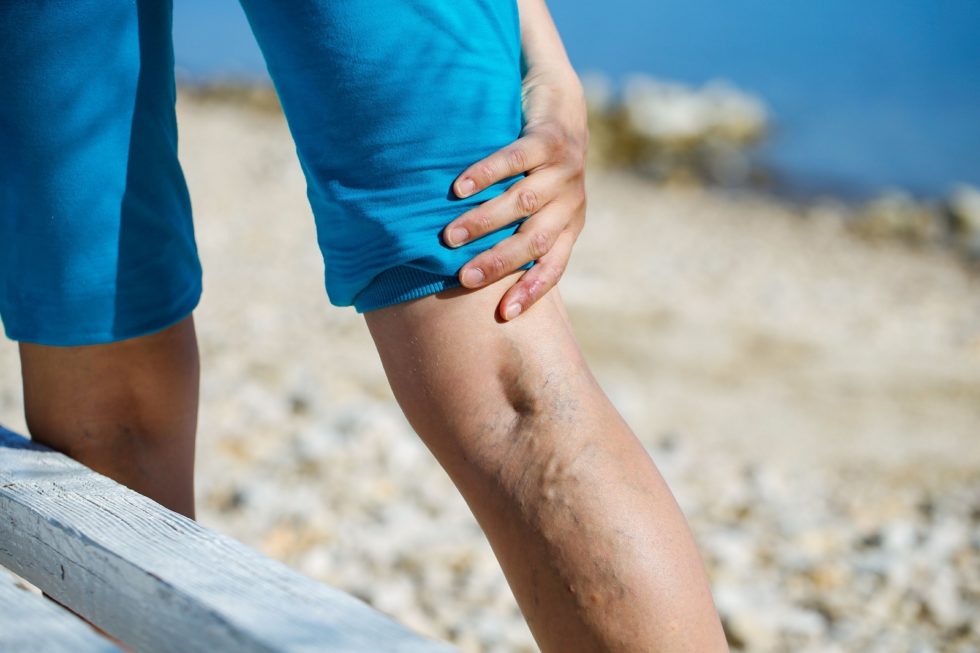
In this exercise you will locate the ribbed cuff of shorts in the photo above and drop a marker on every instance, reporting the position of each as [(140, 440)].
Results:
[(402, 283)]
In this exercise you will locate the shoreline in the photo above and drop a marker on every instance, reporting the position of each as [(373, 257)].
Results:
[(875, 212), (260, 95)]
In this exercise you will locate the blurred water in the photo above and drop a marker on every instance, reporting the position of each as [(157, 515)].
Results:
[(865, 94)]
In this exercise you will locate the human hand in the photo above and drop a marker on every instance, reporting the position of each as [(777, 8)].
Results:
[(551, 151)]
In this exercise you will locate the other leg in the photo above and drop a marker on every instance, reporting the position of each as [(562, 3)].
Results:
[(126, 409), (98, 265)]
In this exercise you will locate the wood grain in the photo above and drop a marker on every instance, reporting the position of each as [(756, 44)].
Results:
[(160, 581), (30, 622)]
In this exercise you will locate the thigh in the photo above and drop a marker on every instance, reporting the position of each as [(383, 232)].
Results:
[(96, 243), (388, 102)]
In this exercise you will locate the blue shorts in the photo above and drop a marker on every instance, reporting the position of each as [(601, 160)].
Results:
[(387, 101)]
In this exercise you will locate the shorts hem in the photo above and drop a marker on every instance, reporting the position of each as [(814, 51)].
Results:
[(400, 284), (403, 283), (189, 301)]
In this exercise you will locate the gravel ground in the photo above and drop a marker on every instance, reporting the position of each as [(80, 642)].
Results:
[(812, 399)]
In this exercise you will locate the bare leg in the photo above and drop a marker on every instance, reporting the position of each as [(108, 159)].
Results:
[(589, 537), (126, 409)]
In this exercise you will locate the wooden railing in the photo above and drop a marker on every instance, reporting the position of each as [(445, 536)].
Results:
[(153, 578)]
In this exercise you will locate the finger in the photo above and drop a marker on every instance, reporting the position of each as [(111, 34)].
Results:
[(526, 153), (538, 279), (522, 199), (532, 240)]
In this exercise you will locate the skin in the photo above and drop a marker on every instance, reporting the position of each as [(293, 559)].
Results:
[(127, 410), (551, 151), (588, 535), (590, 538)]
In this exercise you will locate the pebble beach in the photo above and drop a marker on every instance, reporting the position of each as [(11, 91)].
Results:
[(812, 398)]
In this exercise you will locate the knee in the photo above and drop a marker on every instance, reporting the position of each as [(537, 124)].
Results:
[(535, 393), (502, 406), (105, 420), (531, 443), (107, 416), (114, 396)]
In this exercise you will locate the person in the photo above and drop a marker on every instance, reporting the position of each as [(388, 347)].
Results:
[(443, 145)]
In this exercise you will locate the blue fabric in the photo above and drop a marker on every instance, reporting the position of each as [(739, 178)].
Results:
[(387, 101), (96, 240)]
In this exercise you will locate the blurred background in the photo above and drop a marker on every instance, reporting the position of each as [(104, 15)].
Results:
[(777, 285)]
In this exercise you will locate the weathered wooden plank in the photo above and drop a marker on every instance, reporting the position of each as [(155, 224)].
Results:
[(29, 622), (158, 580)]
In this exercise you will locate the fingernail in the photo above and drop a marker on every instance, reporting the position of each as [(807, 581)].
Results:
[(458, 235), (472, 276), (466, 186), (512, 311)]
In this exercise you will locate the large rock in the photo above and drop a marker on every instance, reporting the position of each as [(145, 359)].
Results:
[(673, 131), (895, 213), (964, 204), (963, 209), (668, 110)]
